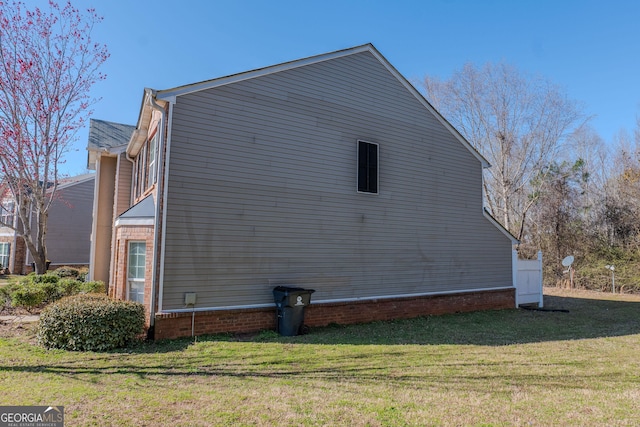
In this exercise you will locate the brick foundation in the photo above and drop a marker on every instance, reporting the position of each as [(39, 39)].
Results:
[(174, 325)]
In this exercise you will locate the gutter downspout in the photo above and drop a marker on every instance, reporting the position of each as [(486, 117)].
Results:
[(160, 189), (14, 247), (133, 168)]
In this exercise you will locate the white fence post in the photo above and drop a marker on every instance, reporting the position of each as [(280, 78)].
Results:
[(541, 303), (528, 280), (514, 274)]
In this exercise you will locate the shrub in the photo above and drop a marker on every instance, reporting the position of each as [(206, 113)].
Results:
[(83, 273), (5, 293), (51, 291), (67, 272), (32, 290), (90, 322), (69, 287), (28, 295), (43, 278), (93, 287)]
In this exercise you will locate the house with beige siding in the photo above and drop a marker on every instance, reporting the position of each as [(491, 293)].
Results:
[(68, 227), (331, 173), (107, 155)]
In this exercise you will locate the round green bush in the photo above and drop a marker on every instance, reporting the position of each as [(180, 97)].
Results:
[(90, 322)]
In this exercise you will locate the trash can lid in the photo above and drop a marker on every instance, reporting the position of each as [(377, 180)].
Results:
[(287, 289)]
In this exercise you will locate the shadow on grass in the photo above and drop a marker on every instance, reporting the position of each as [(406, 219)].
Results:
[(415, 370), (563, 318)]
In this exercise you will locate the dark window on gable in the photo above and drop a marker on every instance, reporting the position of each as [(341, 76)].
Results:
[(367, 167)]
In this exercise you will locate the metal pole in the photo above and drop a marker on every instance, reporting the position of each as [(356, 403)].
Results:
[(571, 277), (613, 277)]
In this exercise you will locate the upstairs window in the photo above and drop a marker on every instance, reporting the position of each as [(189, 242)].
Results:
[(152, 163), (139, 173), (367, 167), (7, 210), (146, 167)]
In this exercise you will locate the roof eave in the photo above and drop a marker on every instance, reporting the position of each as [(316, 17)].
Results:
[(499, 226), (168, 94), (140, 134), (485, 163)]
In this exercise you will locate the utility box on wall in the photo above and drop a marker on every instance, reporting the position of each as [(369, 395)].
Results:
[(190, 298)]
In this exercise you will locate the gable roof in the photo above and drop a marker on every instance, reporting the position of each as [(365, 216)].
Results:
[(169, 95), (104, 136), (142, 213), (73, 180), (62, 183)]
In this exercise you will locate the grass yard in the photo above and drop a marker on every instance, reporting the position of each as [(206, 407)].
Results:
[(500, 368)]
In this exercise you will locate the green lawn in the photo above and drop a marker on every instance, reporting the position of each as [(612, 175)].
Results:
[(502, 368)]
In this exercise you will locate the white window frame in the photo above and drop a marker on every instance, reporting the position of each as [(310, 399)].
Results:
[(152, 160), (7, 213), (5, 255), (134, 281)]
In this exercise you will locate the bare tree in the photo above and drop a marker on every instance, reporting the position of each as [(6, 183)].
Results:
[(586, 145), (621, 205), (515, 121), (557, 224), (48, 64)]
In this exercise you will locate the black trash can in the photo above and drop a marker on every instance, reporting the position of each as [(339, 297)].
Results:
[(290, 304)]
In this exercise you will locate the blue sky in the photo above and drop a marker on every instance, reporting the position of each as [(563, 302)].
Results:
[(590, 48)]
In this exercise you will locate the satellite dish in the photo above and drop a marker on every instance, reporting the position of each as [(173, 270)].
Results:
[(567, 261)]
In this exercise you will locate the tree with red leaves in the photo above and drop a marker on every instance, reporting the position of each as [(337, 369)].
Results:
[(48, 64)]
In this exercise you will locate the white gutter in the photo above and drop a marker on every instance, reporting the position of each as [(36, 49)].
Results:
[(133, 169), (156, 231)]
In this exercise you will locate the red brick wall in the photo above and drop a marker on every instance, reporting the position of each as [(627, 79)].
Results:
[(118, 286), (173, 325), (16, 262), (404, 308)]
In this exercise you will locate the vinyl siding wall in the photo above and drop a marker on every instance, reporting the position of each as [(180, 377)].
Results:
[(262, 191), (69, 225), (122, 198)]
